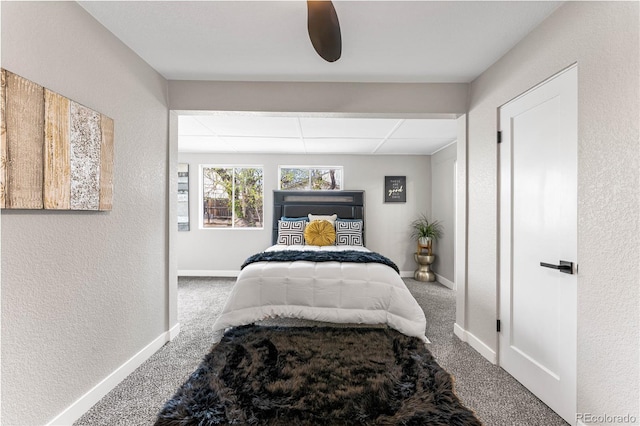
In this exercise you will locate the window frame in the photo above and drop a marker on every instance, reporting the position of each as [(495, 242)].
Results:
[(233, 213), (309, 168)]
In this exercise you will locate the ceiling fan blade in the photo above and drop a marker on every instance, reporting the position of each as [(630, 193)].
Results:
[(324, 29)]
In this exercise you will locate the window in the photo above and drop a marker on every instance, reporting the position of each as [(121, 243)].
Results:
[(232, 197), (311, 178)]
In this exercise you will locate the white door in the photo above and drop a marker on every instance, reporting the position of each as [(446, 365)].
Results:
[(538, 224)]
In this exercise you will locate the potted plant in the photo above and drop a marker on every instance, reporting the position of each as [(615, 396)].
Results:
[(426, 231)]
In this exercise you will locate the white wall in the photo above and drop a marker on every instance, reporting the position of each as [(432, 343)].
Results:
[(83, 292), (602, 37), (387, 225), (443, 208)]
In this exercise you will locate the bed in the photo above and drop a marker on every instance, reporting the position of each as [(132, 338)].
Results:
[(343, 283)]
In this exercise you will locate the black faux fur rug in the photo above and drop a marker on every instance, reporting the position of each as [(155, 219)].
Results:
[(312, 375)]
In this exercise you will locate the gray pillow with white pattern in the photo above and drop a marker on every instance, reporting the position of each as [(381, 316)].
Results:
[(291, 232), (349, 233)]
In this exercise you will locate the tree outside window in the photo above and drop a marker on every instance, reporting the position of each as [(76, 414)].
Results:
[(310, 178), (232, 197)]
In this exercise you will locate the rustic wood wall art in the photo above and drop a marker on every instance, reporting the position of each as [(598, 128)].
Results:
[(54, 153)]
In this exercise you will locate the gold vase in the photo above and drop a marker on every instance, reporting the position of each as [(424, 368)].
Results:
[(424, 272)]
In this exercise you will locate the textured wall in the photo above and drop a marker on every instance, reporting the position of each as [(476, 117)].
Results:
[(83, 292), (602, 37), (420, 98), (387, 225), (443, 208)]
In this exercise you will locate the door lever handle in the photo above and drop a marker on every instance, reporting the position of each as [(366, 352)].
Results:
[(564, 266)]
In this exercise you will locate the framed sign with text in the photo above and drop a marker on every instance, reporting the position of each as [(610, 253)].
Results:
[(395, 189)]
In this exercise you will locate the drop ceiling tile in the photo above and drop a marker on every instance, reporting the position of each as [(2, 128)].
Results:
[(413, 146), (251, 125), (259, 133), (203, 144), (421, 128), (316, 127), (189, 125), (265, 145), (341, 146)]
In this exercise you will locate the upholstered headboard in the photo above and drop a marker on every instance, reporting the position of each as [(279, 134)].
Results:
[(346, 204)]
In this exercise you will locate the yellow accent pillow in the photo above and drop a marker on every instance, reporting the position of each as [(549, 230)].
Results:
[(320, 233)]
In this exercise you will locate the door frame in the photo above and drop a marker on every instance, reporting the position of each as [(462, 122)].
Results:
[(460, 210)]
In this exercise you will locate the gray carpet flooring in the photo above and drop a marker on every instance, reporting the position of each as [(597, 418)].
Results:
[(496, 397)]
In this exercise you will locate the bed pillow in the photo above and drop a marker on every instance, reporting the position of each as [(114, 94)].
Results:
[(294, 219), (331, 218), (320, 233), (291, 232), (349, 232)]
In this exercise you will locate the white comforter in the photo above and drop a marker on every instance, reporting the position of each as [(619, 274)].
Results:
[(361, 293)]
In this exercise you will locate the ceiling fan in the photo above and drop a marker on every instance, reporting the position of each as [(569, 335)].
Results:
[(324, 29)]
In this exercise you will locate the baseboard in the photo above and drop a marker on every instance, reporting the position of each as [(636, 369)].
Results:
[(460, 332), (223, 273), (476, 344), (445, 282), (174, 331), (89, 399), (206, 273), (482, 348)]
